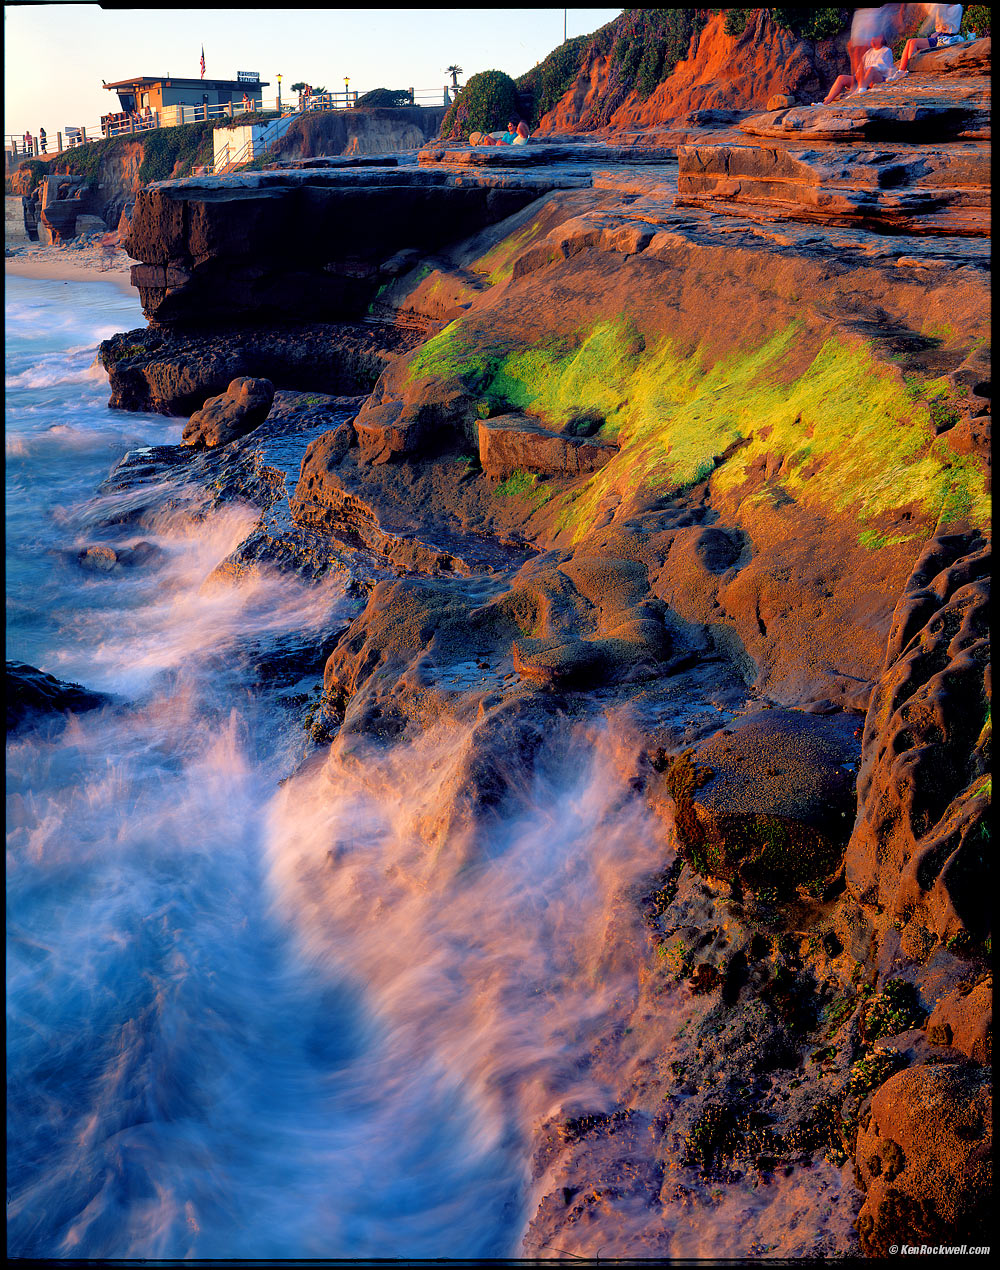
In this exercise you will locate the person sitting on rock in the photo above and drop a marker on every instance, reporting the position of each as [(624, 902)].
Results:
[(947, 20), (522, 135), (501, 138), (876, 66)]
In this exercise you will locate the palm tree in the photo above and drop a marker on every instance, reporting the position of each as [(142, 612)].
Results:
[(454, 72)]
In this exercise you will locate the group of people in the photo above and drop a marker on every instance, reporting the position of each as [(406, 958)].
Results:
[(517, 134), (34, 145), (870, 54), (128, 121)]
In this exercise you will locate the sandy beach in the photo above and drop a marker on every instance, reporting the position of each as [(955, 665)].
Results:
[(69, 264)]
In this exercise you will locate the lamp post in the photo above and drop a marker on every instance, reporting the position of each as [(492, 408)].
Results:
[(347, 100), (278, 77)]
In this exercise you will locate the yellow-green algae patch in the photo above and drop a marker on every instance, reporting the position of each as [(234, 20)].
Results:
[(589, 372), (850, 433), (498, 263)]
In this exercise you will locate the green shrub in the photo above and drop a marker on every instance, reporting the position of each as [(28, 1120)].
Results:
[(810, 24), (179, 149), (37, 169), (545, 84), (385, 97), (977, 18), (736, 21), (485, 104)]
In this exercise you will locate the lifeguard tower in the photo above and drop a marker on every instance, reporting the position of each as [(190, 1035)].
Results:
[(165, 100)]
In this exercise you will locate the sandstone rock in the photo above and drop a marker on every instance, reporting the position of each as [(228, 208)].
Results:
[(405, 417), (244, 406), (924, 1159), (916, 854), (383, 432), (944, 189), (767, 803), (780, 101), (89, 224), (964, 1020), (975, 57), (515, 443), (32, 695)]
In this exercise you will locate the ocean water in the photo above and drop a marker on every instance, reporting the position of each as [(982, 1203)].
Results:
[(251, 1013), (260, 1004)]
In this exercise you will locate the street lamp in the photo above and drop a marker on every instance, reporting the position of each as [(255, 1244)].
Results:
[(278, 77)]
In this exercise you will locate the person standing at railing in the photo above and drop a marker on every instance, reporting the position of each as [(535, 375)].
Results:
[(27, 144), (43, 140)]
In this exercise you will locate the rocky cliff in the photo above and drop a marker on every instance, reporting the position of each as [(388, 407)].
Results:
[(720, 72), (692, 440), (65, 187)]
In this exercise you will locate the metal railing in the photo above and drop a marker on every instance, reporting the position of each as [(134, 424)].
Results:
[(253, 148), (123, 124)]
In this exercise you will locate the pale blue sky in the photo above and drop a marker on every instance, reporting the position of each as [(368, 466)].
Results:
[(56, 55)]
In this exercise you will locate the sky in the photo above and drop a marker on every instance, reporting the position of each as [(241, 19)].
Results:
[(56, 55)]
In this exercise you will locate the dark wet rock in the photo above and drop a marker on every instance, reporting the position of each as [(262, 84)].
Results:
[(425, 517), (33, 695), (212, 249), (924, 1159), (98, 559), (140, 555), (173, 373), (244, 405)]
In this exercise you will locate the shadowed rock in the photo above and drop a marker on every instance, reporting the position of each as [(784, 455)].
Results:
[(916, 860), (33, 695)]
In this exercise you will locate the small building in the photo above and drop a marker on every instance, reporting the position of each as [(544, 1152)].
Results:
[(174, 100)]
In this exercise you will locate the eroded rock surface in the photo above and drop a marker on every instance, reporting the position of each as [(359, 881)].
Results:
[(718, 479), (244, 405)]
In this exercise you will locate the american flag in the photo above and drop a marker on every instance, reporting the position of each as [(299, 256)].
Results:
[(203, 61)]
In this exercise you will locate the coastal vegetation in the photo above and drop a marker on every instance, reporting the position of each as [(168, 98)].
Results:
[(384, 97), (643, 47), (485, 104), (545, 83), (166, 152)]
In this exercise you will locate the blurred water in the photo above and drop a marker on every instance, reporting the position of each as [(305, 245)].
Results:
[(247, 1018)]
